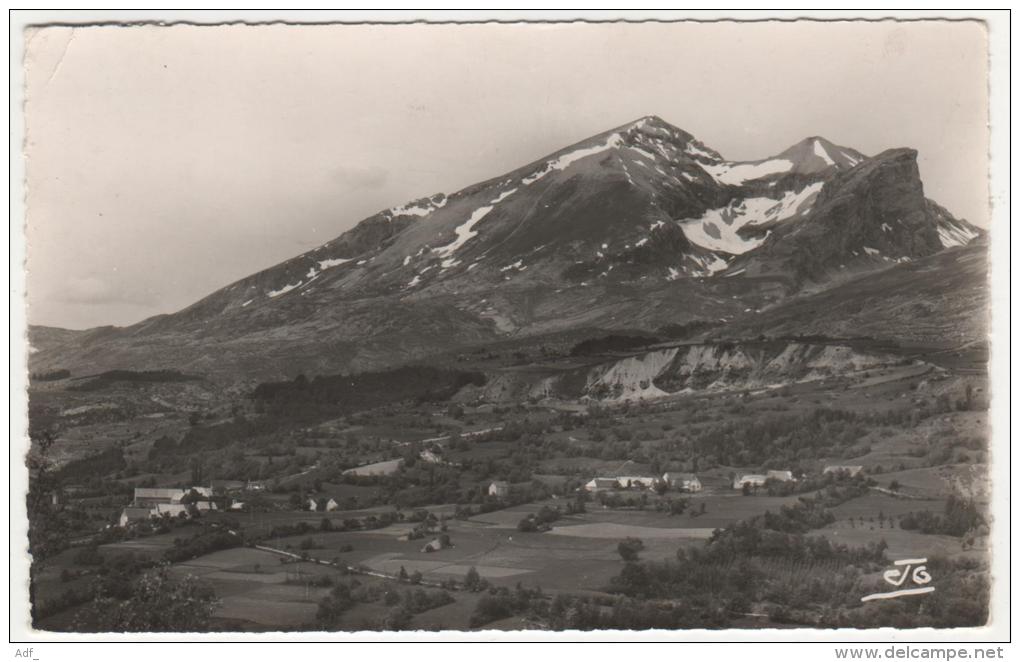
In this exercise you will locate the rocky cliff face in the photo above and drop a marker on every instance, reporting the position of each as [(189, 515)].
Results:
[(870, 215), (699, 367)]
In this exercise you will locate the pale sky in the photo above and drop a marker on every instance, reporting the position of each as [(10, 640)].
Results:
[(167, 162)]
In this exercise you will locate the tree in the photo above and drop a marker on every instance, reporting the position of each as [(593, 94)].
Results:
[(332, 607), (197, 474), (402, 575), (158, 604), (527, 525), (472, 580), (629, 549)]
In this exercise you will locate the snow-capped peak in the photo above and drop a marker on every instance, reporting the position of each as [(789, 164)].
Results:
[(820, 152)]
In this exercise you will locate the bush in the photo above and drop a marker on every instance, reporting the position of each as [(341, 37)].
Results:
[(629, 549)]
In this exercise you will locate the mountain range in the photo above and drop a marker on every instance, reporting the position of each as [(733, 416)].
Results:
[(638, 227)]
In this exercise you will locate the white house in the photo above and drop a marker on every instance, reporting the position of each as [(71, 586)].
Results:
[(751, 480), (150, 496), (130, 515), (171, 509), (646, 482), (851, 470), (313, 505), (332, 505), (499, 488), (599, 484), (783, 476), (682, 481)]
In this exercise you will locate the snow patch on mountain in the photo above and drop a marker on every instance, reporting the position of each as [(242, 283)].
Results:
[(645, 153), (820, 152), (333, 262), (272, 294), (719, 229), (503, 196), (736, 174), (420, 207), (696, 150), (464, 232), (562, 162), (710, 266)]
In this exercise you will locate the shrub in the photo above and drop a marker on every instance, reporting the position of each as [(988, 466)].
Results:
[(629, 549)]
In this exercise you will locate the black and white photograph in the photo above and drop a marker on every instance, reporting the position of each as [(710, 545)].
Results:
[(524, 327)]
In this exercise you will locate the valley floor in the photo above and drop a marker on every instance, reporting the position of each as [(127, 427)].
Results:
[(919, 438)]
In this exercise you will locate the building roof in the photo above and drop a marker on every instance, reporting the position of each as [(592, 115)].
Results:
[(676, 475), (752, 477), (602, 482), (623, 480), (133, 513), (158, 492), (855, 468), (499, 483), (781, 474)]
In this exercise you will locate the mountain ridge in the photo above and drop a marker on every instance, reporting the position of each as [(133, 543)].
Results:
[(642, 221)]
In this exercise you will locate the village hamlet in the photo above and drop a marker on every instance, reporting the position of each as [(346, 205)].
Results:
[(582, 328)]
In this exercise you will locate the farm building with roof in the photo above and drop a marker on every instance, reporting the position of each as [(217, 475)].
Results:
[(499, 489), (682, 481)]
